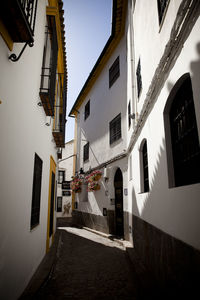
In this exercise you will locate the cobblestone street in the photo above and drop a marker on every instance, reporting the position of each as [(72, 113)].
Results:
[(88, 266)]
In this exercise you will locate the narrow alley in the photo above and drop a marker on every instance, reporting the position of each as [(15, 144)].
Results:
[(87, 266)]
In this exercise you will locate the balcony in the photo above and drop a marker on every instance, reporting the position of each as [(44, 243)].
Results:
[(49, 66), (60, 113), (19, 19)]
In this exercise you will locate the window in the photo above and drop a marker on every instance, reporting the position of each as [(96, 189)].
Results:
[(115, 129), (18, 20), (86, 152), (114, 72), (87, 110), (36, 191), (49, 67), (61, 176), (59, 204), (184, 136), (145, 167), (162, 5), (129, 114), (139, 78)]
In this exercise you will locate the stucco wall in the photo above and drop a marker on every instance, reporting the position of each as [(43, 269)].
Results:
[(173, 210), (67, 166), (105, 104), (22, 134)]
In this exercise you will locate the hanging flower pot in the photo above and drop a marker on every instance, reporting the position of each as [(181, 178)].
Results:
[(94, 176), (93, 186), (76, 184)]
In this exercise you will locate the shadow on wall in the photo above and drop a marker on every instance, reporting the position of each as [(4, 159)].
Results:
[(172, 263)]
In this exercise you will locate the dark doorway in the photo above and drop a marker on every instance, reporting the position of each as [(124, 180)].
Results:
[(119, 214)]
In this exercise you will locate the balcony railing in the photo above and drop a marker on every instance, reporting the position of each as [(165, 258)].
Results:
[(48, 76), (60, 116), (19, 19)]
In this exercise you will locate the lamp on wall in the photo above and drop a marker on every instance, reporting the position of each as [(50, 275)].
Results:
[(81, 173), (132, 116)]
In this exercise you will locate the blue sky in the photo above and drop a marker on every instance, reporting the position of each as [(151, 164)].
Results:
[(87, 29)]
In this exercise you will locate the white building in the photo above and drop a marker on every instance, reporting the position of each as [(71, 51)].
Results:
[(138, 121), (31, 134), (65, 173)]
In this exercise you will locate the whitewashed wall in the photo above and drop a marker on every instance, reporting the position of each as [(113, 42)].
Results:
[(173, 210), (67, 166), (22, 134), (105, 104)]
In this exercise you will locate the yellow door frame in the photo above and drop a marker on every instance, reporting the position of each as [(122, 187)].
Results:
[(52, 169)]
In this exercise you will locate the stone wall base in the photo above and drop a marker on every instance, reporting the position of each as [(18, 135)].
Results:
[(100, 223), (166, 263)]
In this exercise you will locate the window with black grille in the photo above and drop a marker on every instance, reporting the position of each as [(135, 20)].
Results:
[(86, 152), (59, 204), (184, 136), (129, 114), (87, 110), (114, 72), (61, 176), (36, 191), (49, 67), (162, 6), (139, 78), (115, 129), (145, 167)]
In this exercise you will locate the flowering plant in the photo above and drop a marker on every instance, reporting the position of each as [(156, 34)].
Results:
[(76, 184), (94, 176), (93, 186), (92, 179)]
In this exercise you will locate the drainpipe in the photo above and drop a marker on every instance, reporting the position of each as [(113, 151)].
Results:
[(132, 55)]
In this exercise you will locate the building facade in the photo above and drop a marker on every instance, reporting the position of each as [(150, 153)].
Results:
[(32, 118), (142, 99), (65, 173)]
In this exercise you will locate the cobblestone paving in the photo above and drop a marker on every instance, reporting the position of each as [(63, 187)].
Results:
[(89, 266)]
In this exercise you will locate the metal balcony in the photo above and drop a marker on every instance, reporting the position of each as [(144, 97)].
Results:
[(19, 19), (49, 67), (60, 118)]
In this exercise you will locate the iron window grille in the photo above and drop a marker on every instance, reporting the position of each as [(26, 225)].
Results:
[(36, 191), (86, 152), (184, 136), (145, 167), (115, 129), (61, 176), (60, 111), (139, 78), (59, 204), (162, 5), (114, 72), (19, 18), (49, 67), (87, 110)]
